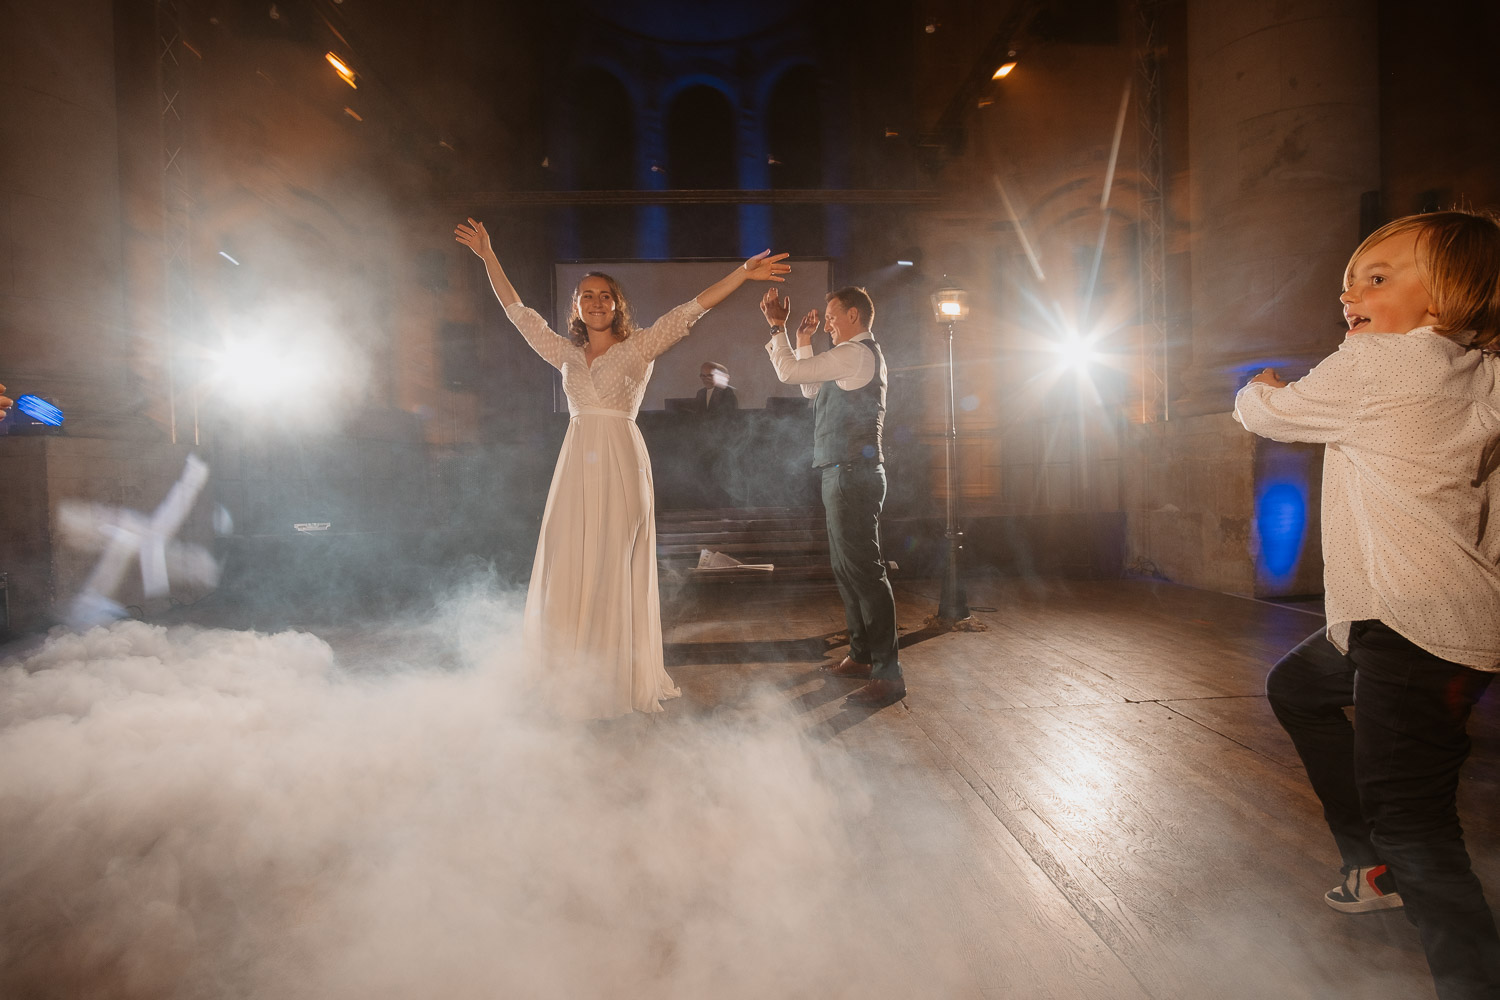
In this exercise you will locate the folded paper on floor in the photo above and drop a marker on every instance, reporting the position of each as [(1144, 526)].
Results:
[(709, 560)]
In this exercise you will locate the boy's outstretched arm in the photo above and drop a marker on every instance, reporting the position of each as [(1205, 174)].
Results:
[(1319, 408)]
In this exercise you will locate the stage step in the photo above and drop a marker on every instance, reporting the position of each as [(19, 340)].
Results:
[(793, 539)]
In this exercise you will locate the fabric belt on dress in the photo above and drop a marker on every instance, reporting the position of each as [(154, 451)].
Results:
[(599, 411)]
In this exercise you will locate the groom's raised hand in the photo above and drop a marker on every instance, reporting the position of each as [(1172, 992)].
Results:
[(775, 308), (807, 328)]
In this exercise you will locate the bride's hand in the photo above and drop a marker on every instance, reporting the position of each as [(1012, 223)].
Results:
[(475, 237), (764, 267)]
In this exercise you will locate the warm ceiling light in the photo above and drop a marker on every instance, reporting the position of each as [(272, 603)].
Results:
[(1004, 70), (342, 69)]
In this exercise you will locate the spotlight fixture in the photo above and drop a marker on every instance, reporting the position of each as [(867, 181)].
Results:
[(906, 263), (1004, 70), (342, 69)]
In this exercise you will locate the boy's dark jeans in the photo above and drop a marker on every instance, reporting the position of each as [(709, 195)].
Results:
[(1388, 784)]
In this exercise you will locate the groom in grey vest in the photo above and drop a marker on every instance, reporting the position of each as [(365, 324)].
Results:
[(847, 386)]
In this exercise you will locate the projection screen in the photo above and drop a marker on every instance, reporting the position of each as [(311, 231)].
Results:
[(733, 334)]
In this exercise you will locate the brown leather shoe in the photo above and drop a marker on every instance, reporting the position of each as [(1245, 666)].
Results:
[(878, 694), (850, 668)]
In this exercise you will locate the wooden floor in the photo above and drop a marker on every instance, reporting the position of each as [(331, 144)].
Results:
[(1093, 788), (1087, 799)]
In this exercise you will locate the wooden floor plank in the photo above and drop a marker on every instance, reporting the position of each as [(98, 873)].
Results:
[(1120, 810)]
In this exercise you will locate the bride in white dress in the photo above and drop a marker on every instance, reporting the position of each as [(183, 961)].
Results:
[(593, 612)]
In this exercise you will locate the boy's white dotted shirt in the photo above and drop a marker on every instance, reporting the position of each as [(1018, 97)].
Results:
[(1412, 428)]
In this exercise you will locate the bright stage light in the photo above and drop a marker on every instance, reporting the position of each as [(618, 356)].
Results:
[(245, 365), (1004, 70), (256, 371), (1077, 353)]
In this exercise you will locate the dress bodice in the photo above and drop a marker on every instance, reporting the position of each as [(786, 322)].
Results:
[(617, 379)]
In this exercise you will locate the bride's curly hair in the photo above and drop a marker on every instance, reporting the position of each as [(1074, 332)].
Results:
[(622, 326)]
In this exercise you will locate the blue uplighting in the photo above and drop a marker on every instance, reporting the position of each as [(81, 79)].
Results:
[(1281, 517)]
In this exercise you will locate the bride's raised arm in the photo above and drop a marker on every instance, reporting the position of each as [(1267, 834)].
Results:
[(477, 238), (672, 327), (553, 348), (762, 267)]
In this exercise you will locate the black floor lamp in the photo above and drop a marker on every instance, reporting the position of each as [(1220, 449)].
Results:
[(950, 305)]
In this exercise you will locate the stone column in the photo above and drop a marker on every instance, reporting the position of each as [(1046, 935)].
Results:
[(653, 228), (1284, 138)]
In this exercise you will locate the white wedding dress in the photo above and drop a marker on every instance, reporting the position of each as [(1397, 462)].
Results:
[(593, 612)]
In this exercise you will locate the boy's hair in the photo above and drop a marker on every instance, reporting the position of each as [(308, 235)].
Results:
[(1458, 254), (622, 327), (715, 366), (853, 297)]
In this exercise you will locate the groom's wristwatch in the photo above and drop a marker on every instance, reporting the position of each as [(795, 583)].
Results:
[(777, 328)]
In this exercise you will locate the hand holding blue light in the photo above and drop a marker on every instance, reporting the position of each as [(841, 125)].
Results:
[(39, 409), (34, 407)]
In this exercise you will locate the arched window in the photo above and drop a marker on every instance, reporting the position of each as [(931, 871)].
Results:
[(701, 156), (794, 136)]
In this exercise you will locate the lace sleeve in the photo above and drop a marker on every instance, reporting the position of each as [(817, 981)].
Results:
[(554, 348), (668, 330)]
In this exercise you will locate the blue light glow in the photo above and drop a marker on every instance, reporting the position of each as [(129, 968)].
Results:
[(1281, 519)]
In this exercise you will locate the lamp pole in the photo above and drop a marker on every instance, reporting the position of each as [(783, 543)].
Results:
[(953, 604), (950, 304)]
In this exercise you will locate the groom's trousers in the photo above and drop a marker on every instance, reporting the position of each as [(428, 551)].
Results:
[(853, 494)]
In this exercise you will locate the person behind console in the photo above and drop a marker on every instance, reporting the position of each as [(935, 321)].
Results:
[(717, 395)]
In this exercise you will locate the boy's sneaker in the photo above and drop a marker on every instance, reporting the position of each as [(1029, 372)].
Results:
[(1363, 890)]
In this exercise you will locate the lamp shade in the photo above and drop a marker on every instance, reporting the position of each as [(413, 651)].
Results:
[(950, 304)]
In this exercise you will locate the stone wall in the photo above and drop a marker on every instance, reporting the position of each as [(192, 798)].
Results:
[(1194, 488)]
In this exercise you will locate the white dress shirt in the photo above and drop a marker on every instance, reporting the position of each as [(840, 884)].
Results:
[(850, 364), (1412, 427)]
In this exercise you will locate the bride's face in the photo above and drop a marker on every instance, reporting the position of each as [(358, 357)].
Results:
[(596, 304)]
